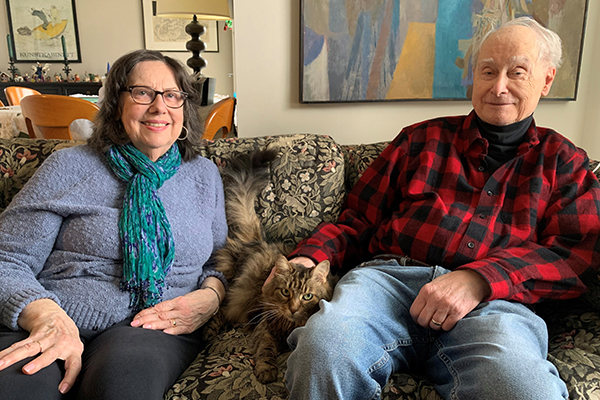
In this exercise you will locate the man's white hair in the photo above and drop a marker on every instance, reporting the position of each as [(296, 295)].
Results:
[(549, 43)]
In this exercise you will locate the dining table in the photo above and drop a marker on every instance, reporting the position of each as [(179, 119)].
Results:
[(12, 123)]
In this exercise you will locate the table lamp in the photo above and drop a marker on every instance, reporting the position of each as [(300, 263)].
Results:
[(194, 10)]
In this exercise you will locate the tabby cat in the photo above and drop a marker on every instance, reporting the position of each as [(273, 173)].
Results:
[(266, 291)]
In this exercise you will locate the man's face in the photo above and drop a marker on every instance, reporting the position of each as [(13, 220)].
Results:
[(508, 78)]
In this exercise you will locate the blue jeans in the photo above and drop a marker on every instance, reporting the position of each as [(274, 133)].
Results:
[(349, 349)]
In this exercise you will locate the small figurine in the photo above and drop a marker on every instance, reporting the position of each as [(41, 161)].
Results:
[(77, 78), (4, 77), (45, 70), (26, 77), (57, 77), (86, 77), (39, 72), (19, 78)]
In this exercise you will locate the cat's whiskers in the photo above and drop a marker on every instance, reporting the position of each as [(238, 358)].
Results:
[(269, 314)]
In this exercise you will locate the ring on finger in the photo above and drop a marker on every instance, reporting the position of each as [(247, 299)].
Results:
[(433, 321), (39, 344), (173, 322)]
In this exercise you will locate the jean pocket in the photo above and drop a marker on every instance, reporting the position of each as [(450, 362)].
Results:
[(378, 262)]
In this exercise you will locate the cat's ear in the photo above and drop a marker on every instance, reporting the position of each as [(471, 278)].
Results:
[(321, 271), (282, 265)]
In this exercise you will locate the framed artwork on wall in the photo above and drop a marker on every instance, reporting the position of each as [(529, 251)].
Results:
[(168, 34), (394, 50), (37, 28)]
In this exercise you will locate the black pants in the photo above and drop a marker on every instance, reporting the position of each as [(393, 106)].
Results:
[(121, 362)]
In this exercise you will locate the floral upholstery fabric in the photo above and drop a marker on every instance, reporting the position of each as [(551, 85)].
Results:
[(357, 158), (309, 180), (19, 158)]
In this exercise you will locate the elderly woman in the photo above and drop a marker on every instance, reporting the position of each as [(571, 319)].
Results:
[(104, 254)]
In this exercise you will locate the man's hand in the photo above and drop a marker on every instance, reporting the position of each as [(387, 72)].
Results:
[(307, 262), (444, 301)]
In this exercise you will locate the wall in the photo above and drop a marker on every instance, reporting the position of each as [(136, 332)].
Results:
[(111, 28), (267, 65)]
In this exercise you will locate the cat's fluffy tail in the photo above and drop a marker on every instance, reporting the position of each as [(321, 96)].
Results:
[(244, 177)]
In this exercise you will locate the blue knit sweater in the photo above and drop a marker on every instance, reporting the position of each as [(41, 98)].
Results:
[(59, 237)]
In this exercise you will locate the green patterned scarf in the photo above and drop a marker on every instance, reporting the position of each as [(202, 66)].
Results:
[(148, 247)]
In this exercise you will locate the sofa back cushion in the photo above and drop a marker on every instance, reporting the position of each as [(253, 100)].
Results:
[(19, 158), (357, 157), (307, 182)]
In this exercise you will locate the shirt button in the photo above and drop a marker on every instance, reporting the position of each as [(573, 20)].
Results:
[(471, 245), (481, 216), (481, 168), (490, 193)]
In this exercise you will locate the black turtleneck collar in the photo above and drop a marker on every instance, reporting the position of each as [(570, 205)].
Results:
[(503, 140)]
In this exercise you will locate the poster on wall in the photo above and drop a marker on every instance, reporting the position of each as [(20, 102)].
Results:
[(418, 49), (37, 28), (168, 34)]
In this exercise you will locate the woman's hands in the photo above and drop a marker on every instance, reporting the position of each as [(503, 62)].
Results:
[(53, 334), (183, 314)]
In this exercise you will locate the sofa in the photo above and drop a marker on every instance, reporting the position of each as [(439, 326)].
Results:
[(309, 180)]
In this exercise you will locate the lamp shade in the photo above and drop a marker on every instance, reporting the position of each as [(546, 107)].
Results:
[(202, 9)]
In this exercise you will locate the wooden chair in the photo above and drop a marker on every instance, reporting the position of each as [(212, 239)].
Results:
[(1, 103), (52, 114), (220, 116), (14, 94)]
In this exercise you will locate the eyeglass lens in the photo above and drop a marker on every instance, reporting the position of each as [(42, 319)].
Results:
[(145, 95)]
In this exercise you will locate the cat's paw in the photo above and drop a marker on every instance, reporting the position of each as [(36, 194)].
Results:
[(265, 372)]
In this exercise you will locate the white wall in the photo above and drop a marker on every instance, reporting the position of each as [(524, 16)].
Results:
[(267, 67), (111, 28)]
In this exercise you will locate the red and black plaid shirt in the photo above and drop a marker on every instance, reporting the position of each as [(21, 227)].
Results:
[(530, 228)]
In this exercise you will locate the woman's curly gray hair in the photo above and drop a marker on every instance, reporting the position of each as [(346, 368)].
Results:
[(109, 129), (549, 43)]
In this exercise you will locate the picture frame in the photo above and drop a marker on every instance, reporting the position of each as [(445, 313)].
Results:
[(168, 34), (36, 35), (418, 49)]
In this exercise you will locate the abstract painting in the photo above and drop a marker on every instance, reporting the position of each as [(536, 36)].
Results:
[(381, 50)]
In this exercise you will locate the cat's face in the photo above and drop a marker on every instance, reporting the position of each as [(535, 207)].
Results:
[(294, 291)]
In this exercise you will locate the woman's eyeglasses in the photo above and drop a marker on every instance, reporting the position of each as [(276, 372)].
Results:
[(145, 95)]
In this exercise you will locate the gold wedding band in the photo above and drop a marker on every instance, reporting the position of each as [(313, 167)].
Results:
[(39, 344), (173, 322), (433, 321)]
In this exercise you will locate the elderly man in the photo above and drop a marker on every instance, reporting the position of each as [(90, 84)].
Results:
[(504, 211)]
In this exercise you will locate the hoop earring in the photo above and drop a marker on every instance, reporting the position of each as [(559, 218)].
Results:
[(186, 134)]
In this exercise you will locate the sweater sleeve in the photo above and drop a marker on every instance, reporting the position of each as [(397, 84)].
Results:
[(219, 231), (28, 231)]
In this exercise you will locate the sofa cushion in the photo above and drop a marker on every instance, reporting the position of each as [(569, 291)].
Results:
[(19, 158), (357, 157), (574, 345), (307, 182)]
